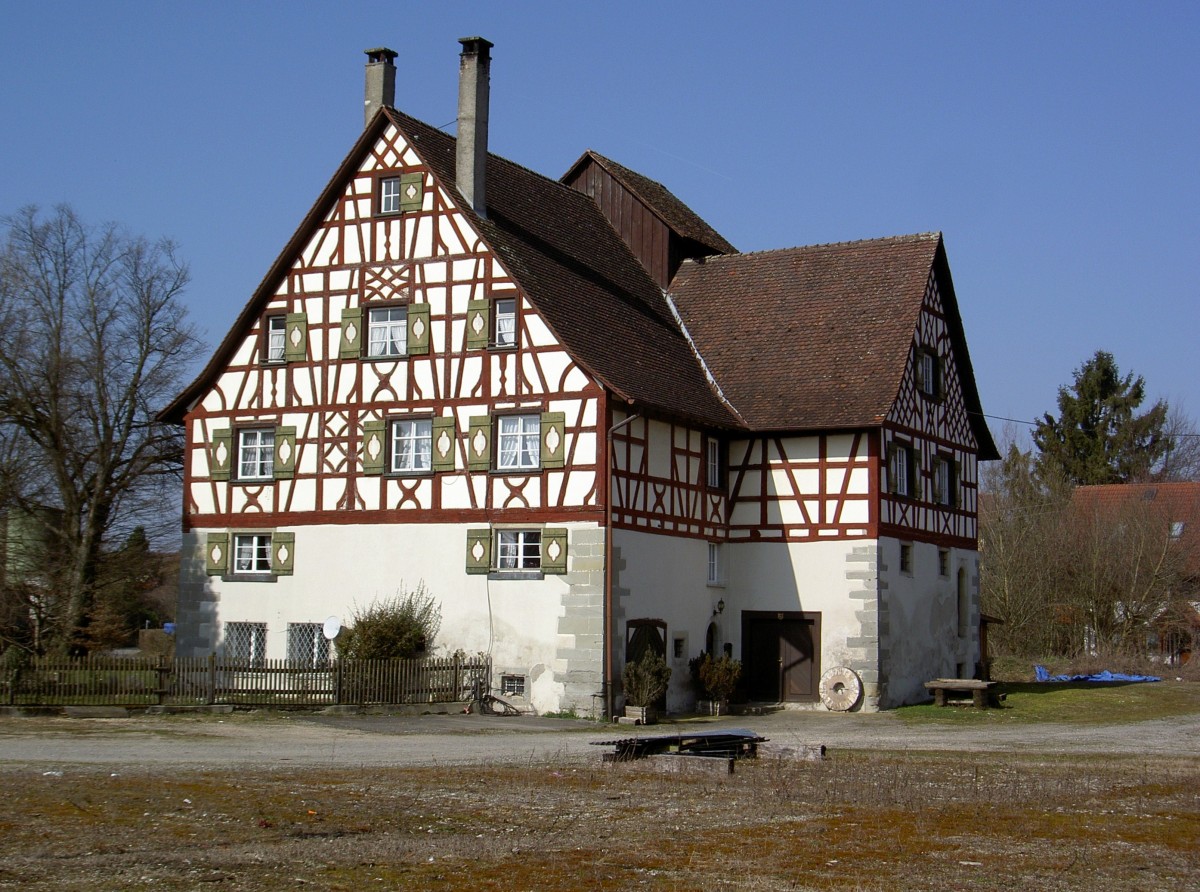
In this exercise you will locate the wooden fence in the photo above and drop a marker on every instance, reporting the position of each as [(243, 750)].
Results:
[(141, 681)]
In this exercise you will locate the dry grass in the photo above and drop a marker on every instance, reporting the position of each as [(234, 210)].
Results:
[(858, 821)]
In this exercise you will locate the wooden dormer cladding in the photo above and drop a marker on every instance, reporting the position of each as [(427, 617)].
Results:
[(659, 229)]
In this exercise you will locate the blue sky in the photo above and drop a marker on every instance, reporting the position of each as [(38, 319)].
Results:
[(1056, 145)]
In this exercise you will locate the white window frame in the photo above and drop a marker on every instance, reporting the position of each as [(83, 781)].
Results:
[(930, 372), (411, 446), (252, 554), (276, 338), (716, 565), (901, 469), (518, 442), (246, 642), (389, 195), (387, 332), (307, 645), (713, 463), (518, 550), (256, 453), (943, 481), (504, 324)]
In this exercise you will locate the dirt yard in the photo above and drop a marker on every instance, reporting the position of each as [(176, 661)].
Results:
[(467, 803)]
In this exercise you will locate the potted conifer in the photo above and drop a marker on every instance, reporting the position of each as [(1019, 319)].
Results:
[(645, 682), (718, 677)]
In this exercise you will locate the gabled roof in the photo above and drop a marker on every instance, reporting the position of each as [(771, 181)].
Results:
[(1170, 503), (571, 264), (819, 337), (674, 213)]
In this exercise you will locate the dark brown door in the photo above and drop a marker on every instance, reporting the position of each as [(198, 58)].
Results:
[(781, 655)]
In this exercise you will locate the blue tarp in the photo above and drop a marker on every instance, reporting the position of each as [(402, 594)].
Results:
[(1043, 674)]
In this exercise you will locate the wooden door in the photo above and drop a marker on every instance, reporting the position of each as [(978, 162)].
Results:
[(781, 655)]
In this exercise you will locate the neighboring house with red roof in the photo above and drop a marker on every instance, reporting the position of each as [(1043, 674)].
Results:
[(590, 426), (1159, 524)]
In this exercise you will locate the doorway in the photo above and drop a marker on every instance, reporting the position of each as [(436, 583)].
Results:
[(781, 655)]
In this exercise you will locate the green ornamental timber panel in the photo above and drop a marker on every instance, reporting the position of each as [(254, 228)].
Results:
[(412, 191), (554, 439), (220, 456), (374, 446), (554, 550), (295, 337), (478, 324), (479, 551), (351, 343), (285, 453), (216, 553), (418, 329), (479, 443), (283, 553), (444, 443)]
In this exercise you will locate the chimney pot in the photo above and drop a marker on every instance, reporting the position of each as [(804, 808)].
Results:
[(474, 79), (380, 87)]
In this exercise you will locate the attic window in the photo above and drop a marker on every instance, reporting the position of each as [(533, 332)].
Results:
[(389, 195), (929, 373), (397, 195)]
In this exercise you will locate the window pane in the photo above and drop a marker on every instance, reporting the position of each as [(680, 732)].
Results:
[(389, 195), (519, 442), (412, 445), (387, 332), (506, 323), (276, 328), (256, 454), (252, 554)]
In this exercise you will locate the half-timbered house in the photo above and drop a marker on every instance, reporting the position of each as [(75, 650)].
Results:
[(589, 425)]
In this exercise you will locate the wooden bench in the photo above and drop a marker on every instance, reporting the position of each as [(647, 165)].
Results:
[(980, 691)]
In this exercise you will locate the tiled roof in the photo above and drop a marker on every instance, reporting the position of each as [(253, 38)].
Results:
[(584, 281), (677, 215), (814, 337), (1168, 503)]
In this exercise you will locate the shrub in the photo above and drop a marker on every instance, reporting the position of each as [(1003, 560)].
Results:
[(645, 680), (720, 676), (398, 627)]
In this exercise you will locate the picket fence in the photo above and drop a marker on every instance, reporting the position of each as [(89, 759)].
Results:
[(140, 681)]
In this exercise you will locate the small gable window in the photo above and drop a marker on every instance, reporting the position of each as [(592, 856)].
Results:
[(387, 331), (276, 329), (505, 333), (389, 195), (929, 373)]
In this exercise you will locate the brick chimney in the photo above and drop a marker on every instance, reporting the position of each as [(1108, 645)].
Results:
[(473, 90), (381, 82)]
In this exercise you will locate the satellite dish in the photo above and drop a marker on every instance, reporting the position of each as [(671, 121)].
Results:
[(332, 627)]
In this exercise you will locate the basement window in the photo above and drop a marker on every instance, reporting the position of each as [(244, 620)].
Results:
[(512, 685)]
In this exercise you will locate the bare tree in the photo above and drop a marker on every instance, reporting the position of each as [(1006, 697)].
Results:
[(96, 342), (1182, 459)]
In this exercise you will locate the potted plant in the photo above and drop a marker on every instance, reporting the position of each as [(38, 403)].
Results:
[(718, 677), (645, 682)]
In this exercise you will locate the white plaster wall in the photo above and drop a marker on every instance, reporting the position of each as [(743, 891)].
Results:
[(798, 576), (921, 640), (340, 567)]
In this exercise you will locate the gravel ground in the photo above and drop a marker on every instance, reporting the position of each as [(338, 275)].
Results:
[(264, 739)]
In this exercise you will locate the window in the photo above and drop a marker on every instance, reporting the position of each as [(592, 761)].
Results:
[(518, 549), (929, 373), (713, 463), (518, 437), (389, 195), (246, 643), (276, 334), (505, 334), (512, 685), (1177, 528), (256, 454), (900, 470), (906, 563), (943, 562), (252, 553), (307, 645), (387, 331), (944, 483), (412, 445), (715, 570)]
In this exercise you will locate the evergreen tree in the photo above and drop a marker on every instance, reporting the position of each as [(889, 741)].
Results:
[(1098, 437)]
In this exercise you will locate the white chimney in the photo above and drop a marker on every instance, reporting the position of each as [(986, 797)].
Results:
[(381, 82), (473, 89)]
